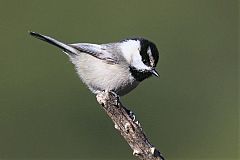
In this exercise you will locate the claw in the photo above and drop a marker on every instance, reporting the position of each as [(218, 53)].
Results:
[(117, 97), (132, 115)]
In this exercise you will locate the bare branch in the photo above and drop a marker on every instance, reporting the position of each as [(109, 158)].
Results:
[(124, 121)]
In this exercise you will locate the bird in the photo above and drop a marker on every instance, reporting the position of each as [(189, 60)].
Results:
[(117, 67)]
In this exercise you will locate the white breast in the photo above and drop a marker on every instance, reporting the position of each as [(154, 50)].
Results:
[(100, 76)]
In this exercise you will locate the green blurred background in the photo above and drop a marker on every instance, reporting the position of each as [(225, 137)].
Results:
[(191, 112)]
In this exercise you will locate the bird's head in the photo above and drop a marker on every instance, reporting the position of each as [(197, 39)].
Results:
[(142, 56)]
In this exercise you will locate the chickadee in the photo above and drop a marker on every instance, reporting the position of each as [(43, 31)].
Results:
[(118, 67)]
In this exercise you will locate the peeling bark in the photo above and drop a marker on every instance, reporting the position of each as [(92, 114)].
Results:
[(125, 122)]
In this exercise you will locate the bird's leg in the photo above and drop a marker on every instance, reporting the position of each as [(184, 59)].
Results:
[(130, 113), (117, 102)]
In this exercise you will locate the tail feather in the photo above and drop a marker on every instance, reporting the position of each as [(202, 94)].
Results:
[(66, 48)]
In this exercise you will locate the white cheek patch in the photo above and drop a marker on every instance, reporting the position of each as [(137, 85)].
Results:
[(138, 64), (130, 48), (131, 52)]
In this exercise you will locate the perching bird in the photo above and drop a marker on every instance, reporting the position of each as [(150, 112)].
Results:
[(118, 67)]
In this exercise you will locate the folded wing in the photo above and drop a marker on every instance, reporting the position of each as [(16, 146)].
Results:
[(98, 51)]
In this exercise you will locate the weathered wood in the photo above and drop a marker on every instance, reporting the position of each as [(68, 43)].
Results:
[(129, 128)]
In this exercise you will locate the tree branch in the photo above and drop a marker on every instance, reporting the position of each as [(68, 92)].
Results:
[(127, 125)]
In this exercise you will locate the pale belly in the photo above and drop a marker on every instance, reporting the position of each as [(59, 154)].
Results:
[(100, 76)]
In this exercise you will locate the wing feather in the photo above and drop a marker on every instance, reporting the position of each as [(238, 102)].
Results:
[(98, 51)]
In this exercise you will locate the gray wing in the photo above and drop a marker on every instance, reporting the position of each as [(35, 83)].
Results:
[(98, 51)]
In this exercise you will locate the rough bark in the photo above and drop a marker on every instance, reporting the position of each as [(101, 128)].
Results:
[(130, 129)]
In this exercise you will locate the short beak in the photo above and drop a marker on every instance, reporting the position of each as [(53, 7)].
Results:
[(154, 72)]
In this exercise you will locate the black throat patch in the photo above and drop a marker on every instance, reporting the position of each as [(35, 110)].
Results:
[(138, 74)]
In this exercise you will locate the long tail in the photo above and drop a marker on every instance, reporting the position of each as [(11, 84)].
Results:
[(66, 48)]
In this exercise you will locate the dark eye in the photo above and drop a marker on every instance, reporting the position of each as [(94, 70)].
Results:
[(145, 61)]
